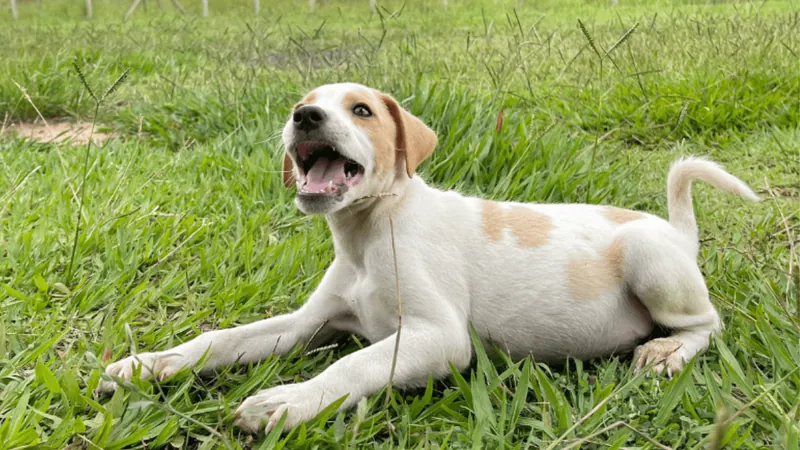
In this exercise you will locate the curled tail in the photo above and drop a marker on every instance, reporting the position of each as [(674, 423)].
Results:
[(679, 191)]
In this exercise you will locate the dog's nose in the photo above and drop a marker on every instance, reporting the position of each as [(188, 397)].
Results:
[(308, 117)]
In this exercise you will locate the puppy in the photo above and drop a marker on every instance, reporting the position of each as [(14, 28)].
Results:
[(552, 281)]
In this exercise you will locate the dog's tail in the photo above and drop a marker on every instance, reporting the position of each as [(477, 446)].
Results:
[(679, 191)]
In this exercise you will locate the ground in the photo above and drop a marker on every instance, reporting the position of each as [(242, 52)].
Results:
[(184, 224)]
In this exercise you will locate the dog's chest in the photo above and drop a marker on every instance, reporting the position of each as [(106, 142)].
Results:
[(371, 303)]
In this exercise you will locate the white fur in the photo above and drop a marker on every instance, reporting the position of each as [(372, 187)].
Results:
[(679, 192), (452, 275)]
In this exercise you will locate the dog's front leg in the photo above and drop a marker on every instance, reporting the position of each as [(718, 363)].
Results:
[(247, 343), (426, 347)]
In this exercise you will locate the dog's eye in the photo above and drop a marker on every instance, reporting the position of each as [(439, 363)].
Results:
[(362, 110)]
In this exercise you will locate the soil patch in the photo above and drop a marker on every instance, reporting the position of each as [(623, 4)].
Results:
[(75, 133)]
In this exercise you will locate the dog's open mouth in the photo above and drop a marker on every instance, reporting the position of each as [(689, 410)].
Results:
[(325, 170)]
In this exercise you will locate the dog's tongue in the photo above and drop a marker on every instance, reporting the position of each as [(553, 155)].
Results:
[(322, 173)]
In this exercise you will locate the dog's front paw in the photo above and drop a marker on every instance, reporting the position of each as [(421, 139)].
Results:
[(659, 354), (161, 365), (300, 402)]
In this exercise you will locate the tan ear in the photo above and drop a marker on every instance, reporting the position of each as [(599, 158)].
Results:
[(288, 173), (414, 139)]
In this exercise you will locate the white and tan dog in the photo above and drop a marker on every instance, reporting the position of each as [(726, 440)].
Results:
[(552, 281)]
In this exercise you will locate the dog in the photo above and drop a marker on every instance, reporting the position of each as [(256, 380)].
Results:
[(554, 281)]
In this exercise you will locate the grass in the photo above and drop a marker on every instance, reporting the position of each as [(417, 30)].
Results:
[(185, 225)]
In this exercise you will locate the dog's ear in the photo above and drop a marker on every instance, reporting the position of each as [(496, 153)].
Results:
[(288, 173), (414, 139)]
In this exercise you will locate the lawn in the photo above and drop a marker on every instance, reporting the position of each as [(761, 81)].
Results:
[(183, 224)]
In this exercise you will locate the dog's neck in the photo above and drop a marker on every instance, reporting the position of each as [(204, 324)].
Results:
[(367, 219)]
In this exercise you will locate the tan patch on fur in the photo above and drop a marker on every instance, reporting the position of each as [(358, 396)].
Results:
[(413, 138), (492, 220), (620, 216), (288, 172), (531, 228), (588, 278), (616, 258), (307, 100), (379, 127)]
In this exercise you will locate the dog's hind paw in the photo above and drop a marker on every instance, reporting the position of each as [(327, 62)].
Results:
[(659, 355)]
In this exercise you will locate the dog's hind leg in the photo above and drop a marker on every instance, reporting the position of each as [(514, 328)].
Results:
[(666, 279), (660, 267)]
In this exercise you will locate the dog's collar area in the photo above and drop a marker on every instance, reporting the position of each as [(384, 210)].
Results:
[(326, 171), (381, 195)]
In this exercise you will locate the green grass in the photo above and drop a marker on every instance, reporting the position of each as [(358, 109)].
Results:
[(186, 226)]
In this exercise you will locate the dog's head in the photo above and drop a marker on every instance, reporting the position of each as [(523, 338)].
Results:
[(345, 142)]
